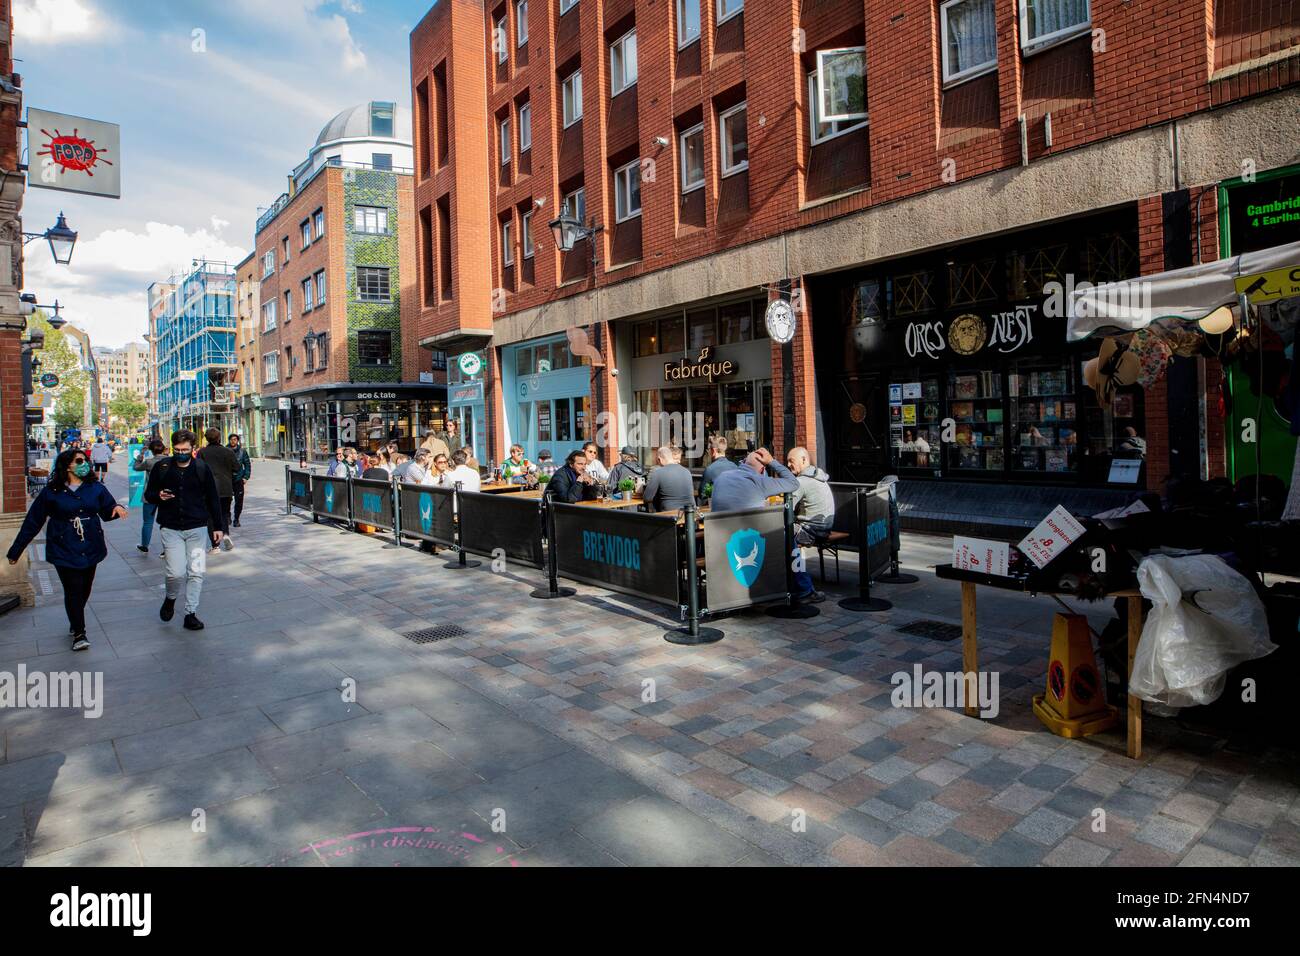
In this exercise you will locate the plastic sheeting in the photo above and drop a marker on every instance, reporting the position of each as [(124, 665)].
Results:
[(1206, 619)]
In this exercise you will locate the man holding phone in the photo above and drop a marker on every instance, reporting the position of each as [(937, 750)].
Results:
[(185, 492)]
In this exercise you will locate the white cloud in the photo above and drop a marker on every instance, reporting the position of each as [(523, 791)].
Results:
[(104, 289), (218, 223), (353, 57), (56, 21)]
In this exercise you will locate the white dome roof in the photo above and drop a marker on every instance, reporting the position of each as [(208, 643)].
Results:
[(356, 122)]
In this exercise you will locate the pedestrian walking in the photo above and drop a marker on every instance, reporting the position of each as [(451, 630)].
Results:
[(146, 460), (245, 473), (101, 453), (74, 503), (223, 464), (185, 491)]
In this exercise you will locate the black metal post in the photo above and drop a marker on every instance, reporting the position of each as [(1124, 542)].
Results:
[(460, 564), (864, 601), (692, 634), (792, 609), (288, 497), (395, 493), (553, 589), (895, 535)]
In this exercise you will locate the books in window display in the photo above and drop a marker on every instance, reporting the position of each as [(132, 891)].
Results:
[(1051, 383), (965, 386), (1057, 460), (1028, 459), (962, 410), (968, 458), (993, 459), (931, 411), (930, 390)]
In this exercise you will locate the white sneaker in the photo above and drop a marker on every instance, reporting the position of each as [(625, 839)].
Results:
[(227, 544)]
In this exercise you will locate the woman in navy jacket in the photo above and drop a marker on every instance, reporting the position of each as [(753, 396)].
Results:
[(74, 503)]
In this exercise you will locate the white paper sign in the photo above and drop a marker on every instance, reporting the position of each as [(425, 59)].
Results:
[(1053, 535), (976, 554)]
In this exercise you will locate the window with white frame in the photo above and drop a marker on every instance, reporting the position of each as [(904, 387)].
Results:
[(500, 42), (268, 263), (572, 94), (842, 83), (525, 127), (1045, 22), (308, 296), (371, 219), (575, 204), (507, 243), (692, 158), (268, 316), (688, 22), (318, 218), (622, 63), (969, 39), (320, 287), (567, 5), (821, 131), (270, 368), (729, 8), (733, 140), (503, 137), (526, 232), (306, 233), (372, 284), (288, 305), (521, 22), (627, 191)]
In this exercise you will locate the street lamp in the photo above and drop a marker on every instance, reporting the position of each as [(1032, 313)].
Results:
[(61, 240), (569, 231), (30, 305)]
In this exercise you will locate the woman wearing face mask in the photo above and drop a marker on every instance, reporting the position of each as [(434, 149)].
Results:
[(74, 504)]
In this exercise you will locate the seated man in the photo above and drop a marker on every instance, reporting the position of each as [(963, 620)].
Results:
[(814, 514), (546, 466), (572, 483), (462, 473), (718, 462), (670, 486), (750, 485), (517, 468), (628, 468)]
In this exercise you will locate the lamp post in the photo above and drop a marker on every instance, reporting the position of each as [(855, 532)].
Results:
[(61, 238), (569, 231)]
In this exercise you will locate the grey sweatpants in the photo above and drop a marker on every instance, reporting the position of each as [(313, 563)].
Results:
[(186, 559)]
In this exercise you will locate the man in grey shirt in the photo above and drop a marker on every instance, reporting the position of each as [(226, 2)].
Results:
[(749, 485), (670, 486), (814, 514)]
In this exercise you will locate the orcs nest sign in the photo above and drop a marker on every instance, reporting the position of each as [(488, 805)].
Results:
[(702, 369)]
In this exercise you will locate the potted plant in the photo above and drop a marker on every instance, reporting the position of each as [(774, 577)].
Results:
[(626, 487), (543, 479), (707, 491)]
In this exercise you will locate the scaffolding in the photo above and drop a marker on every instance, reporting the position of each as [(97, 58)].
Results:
[(194, 324)]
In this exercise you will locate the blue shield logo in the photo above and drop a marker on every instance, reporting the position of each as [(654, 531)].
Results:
[(329, 496), (745, 551), (426, 514)]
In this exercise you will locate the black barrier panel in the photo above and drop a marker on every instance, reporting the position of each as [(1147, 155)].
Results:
[(299, 488), (329, 497), (506, 522), (745, 558), (880, 547), (372, 502), (620, 550), (428, 513), (845, 496)]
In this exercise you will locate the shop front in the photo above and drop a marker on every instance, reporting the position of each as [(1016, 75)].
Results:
[(698, 371), (954, 364), (319, 420), (466, 400), (548, 404)]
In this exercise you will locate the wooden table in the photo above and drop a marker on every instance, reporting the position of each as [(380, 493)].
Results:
[(970, 646), (536, 493), (499, 488)]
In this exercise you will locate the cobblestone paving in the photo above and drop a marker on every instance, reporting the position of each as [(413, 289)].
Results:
[(529, 741)]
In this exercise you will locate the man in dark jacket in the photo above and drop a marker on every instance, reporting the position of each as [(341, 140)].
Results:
[(243, 474), (185, 491), (628, 467), (223, 464), (572, 483)]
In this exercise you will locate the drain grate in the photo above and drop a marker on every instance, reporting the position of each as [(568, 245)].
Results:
[(933, 630), (430, 634)]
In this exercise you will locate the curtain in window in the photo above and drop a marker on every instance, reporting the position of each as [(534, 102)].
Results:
[(1049, 16), (972, 36)]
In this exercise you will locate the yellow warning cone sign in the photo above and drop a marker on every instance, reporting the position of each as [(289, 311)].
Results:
[(1074, 704)]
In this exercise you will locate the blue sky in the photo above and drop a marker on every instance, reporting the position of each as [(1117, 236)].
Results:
[(208, 135)]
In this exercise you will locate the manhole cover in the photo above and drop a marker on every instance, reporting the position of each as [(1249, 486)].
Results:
[(932, 630), (430, 634)]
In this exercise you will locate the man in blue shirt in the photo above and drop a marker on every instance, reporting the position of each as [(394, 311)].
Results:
[(750, 484)]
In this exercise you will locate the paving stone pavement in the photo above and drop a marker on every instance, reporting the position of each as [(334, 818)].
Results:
[(532, 740)]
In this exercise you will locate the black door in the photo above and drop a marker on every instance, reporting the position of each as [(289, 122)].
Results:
[(861, 444)]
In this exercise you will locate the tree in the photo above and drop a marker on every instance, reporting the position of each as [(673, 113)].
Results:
[(129, 409), (59, 356), (70, 408)]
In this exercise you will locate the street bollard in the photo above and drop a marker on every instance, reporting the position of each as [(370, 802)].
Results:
[(553, 589)]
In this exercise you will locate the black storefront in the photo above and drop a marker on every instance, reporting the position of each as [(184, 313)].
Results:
[(955, 364)]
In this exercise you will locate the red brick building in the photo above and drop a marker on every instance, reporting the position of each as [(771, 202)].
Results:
[(977, 152)]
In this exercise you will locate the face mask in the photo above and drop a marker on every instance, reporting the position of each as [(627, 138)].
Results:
[(181, 460), (82, 470)]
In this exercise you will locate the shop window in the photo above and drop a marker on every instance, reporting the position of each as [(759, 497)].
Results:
[(1033, 269), (544, 422), (1044, 23), (560, 356), (975, 406), (971, 282), (914, 293), (1111, 258), (645, 339), (523, 361), (970, 39), (1043, 417), (702, 330), (916, 427), (672, 334), (735, 323), (374, 347)]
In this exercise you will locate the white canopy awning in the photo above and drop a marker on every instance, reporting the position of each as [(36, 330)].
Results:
[(1188, 294)]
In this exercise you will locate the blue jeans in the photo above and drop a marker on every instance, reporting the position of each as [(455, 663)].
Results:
[(146, 529)]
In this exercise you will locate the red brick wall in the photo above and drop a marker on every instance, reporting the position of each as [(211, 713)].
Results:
[(1151, 252), (15, 455)]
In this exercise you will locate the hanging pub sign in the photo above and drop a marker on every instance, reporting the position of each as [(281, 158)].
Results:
[(702, 369)]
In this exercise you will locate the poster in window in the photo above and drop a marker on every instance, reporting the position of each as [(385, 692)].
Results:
[(896, 393), (1123, 405), (909, 414), (911, 390), (895, 413)]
